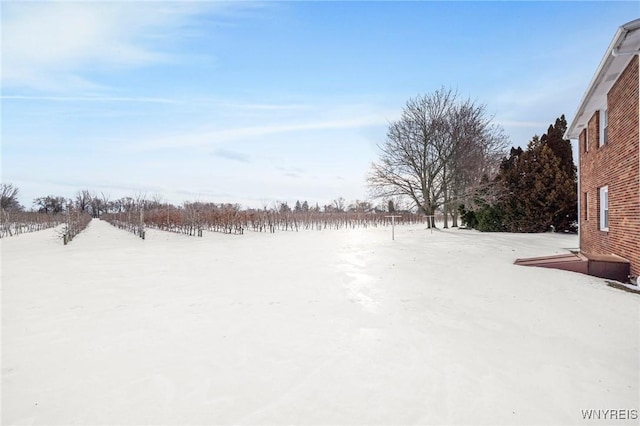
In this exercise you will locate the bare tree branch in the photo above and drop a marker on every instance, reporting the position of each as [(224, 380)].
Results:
[(436, 152)]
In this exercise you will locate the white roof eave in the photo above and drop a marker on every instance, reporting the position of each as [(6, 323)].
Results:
[(612, 60)]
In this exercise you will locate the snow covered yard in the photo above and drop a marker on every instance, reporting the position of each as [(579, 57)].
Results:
[(331, 327)]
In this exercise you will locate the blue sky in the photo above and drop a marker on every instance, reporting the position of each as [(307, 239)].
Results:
[(258, 102)]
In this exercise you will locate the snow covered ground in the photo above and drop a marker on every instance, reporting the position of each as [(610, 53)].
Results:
[(330, 327)]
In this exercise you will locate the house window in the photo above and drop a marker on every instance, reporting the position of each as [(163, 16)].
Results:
[(604, 208), (604, 123)]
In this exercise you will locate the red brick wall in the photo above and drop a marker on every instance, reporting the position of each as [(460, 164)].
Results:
[(616, 165)]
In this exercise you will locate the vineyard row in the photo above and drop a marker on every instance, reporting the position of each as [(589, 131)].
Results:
[(232, 221)]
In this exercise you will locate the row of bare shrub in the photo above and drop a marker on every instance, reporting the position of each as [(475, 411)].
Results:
[(194, 218), (174, 219), (20, 222), (130, 221), (76, 222), (229, 219)]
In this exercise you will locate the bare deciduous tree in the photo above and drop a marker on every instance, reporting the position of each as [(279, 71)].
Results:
[(83, 200), (439, 148), (339, 204), (51, 204), (100, 205), (9, 197), (476, 148)]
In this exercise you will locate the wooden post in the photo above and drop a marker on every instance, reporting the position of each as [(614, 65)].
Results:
[(67, 236), (142, 222), (393, 225), (432, 222)]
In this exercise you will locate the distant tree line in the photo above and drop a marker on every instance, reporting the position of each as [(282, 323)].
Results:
[(137, 213), (14, 220), (535, 190), (48, 212), (194, 218)]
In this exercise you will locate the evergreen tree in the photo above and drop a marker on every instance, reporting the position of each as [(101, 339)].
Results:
[(560, 147), (566, 214), (538, 188)]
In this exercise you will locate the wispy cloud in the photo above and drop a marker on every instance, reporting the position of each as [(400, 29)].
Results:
[(521, 124), (537, 98), (289, 169), (291, 172), (231, 155), (265, 107), (213, 137), (55, 46), (126, 99), (69, 187)]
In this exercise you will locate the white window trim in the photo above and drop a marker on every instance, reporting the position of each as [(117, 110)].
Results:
[(603, 198), (586, 206), (604, 124), (586, 139)]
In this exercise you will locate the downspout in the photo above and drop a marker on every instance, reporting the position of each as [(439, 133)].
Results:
[(580, 195)]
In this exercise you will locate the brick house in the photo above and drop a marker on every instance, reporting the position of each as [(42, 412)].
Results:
[(606, 126)]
